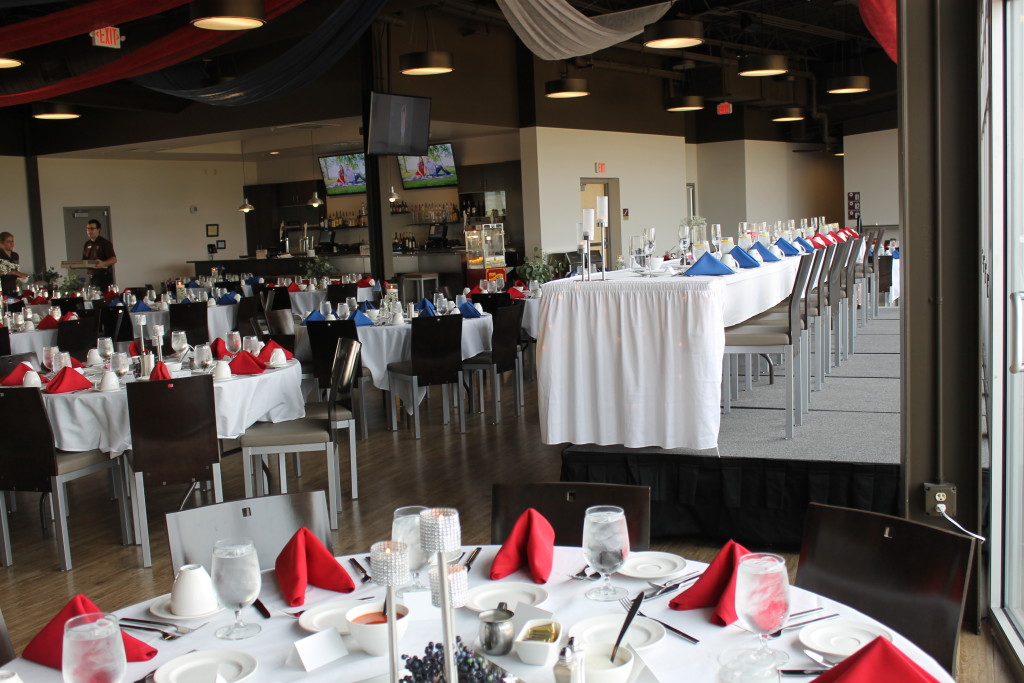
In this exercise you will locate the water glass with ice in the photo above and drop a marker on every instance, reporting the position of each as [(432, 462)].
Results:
[(605, 546), (93, 650)]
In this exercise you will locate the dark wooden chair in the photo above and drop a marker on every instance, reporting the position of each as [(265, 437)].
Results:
[(564, 504), (505, 355), (192, 320), (76, 337), (229, 285), (323, 341), (492, 302), (910, 576), (248, 307), (69, 305), (166, 452), (10, 361), (29, 462), (7, 652), (16, 306), (116, 323), (339, 294), (5, 341), (281, 321), (436, 359), (278, 299)]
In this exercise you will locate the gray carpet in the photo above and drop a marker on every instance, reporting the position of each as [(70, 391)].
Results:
[(869, 365), (880, 327), (877, 343)]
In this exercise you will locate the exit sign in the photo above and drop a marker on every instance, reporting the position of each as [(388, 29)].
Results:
[(109, 36), (724, 108), (599, 167)]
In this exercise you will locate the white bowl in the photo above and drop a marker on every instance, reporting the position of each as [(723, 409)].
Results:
[(535, 652), (373, 638), (598, 667)]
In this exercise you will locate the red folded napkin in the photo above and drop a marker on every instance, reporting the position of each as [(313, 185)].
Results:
[(126, 290), (68, 379), (268, 348), (365, 282), (111, 295), (521, 285), (716, 587), (39, 301), (837, 237), (293, 287), (247, 364), (17, 376), (531, 543), (70, 315), (877, 662), (475, 290), (47, 648), (75, 363), (516, 293), (159, 371), (27, 294), (219, 348), (306, 561), (133, 348), (852, 233), (819, 242), (47, 323)]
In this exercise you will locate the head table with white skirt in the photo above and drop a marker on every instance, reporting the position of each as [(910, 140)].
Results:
[(637, 360)]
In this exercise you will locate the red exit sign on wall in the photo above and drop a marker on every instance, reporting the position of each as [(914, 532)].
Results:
[(109, 36), (724, 108)]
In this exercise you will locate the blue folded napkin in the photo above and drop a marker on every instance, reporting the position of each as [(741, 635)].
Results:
[(193, 284), (787, 248), (895, 253), (366, 306), (141, 307), (743, 259), (765, 253), (314, 316), (426, 308), (805, 244), (186, 300), (226, 299), (468, 310), (362, 320), (252, 280), (707, 264)]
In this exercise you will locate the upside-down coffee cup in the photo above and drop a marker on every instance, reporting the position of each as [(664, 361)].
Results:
[(31, 379), (193, 592), (277, 357)]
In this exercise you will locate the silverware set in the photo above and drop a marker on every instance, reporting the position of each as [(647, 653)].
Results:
[(628, 604), (167, 630)]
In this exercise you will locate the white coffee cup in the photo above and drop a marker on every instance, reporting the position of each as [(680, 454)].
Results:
[(221, 370), (373, 638), (29, 325), (93, 357), (109, 381), (598, 667), (277, 357), (330, 316), (192, 593), (372, 314), (396, 318), (211, 303), (657, 262), (31, 379), (728, 260)]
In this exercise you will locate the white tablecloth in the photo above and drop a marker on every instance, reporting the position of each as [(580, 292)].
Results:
[(33, 341), (219, 319), (671, 659), (531, 317), (895, 287), (304, 303), (638, 361), (83, 420)]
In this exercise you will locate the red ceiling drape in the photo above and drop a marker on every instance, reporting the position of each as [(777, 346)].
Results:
[(177, 46), (880, 18)]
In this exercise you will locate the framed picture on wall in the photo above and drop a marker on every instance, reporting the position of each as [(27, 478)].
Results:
[(213, 229), (222, 244)]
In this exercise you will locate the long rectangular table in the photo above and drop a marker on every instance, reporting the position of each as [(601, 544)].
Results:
[(637, 360)]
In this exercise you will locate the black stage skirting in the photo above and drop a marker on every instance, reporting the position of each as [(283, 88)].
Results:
[(760, 502)]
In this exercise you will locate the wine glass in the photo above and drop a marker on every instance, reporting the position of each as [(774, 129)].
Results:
[(105, 345), (605, 546), (251, 344), (49, 353), (93, 649), (179, 341), (202, 357), (405, 527), (233, 342), (762, 601), (120, 364), (236, 578), (684, 241), (716, 235)]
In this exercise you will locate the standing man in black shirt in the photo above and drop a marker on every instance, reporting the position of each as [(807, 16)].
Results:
[(101, 250)]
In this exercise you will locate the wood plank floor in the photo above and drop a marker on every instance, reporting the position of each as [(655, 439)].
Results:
[(444, 468)]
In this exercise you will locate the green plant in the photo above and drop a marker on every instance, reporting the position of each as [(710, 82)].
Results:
[(318, 266), (537, 267), (72, 282), (50, 276), (697, 221)]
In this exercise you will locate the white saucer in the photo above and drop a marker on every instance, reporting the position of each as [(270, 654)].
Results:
[(206, 665), (652, 565), (161, 607), (489, 595), (323, 617), (839, 638), (278, 365), (643, 632)]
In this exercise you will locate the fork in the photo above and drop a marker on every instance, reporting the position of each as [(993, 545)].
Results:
[(164, 635), (626, 604), (181, 630), (291, 614)]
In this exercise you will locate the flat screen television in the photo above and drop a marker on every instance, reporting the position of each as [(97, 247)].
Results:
[(399, 124), (344, 173), (435, 168)]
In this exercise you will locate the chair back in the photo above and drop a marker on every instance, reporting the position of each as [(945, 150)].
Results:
[(5, 341), (270, 521), (505, 336), (851, 265), (76, 337), (836, 275), (437, 349), (339, 294), (192, 320), (812, 282), (286, 341), (821, 287), (16, 306), (229, 285), (116, 323), (323, 344), (281, 321), (803, 275), (492, 302), (277, 299), (27, 457), (248, 306), (564, 504), (69, 305), (7, 653), (343, 374), (910, 576), (10, 361), (181, 450)]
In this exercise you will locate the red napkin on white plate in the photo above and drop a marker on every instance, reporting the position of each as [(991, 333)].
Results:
[(306, 561), (160, 371), (516, 293), (293, 287), (47, 323), (219, 348), (365, 282), (70, 315), (716, 587), (17, 376), (531, 544), (268, 348), (133, 348), (247, 364), (877, 662), (47, 648), (68, 379)]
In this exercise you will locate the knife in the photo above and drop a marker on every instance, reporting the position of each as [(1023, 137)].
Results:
[(472, 557), (261, 608), (633, 609), (355, 563), (802, 672)]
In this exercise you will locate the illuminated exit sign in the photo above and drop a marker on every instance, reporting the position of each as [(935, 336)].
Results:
[(724, 108), (107, 37)]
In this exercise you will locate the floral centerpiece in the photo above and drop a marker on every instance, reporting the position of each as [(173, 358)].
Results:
[(318, 266), (7, 267), (697, 221)]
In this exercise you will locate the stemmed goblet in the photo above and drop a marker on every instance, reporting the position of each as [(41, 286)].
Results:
[(203, 357), (716, 235), (762, 601), (684, 242), (93, 650), (120, 364), (605, 546), (49, 353), (405, 527), (233, 342), (236, 578), (179, 341), (105, 345)]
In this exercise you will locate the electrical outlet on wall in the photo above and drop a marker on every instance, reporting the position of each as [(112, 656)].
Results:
[(940, 494)]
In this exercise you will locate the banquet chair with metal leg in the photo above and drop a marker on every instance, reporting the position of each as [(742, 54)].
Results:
[(270, 521), (849, 296), (323, 343), (503, 356), (910, 576), (192, 320), (281, 321), (178, 451), (29, 462), (436, 359), (564, 504), (277, 299), (834, 289), (76, 337)]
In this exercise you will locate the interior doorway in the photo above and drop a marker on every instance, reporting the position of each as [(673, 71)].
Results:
[(75, 218), (590, 190)]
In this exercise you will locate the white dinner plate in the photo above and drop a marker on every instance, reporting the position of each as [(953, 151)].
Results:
[(643, 632), (323, 617), (837, 639), (652, 565), (207, 665), (489, 595), (161, 607)]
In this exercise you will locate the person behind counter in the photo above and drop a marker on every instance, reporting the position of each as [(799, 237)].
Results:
[(101, 250), (9, 282)]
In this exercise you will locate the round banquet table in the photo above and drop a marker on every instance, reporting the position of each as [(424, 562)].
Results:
[(637, 360), (665, 659), (220, 320), (83, 420), (33, 341)]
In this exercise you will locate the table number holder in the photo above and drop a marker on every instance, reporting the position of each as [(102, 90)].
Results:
[(389, 562), (440, 533)]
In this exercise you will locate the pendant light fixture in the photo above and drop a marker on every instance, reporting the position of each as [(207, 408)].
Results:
[(846, 85), (9, 62), (227, 15), (54, 111), (674, 34), (763, 65), (788, 114), (393, 197), (565, 88), (314, 201), (684, 103), (245, 207), (430, 62)]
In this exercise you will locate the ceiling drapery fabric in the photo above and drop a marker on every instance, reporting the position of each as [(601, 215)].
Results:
[(78, 21), (554, 29), (880, 18), (184, 43), (298, 66)]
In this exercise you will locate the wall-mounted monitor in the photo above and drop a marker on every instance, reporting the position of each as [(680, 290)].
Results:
[(399, 124), (435, 168), (344, 173)]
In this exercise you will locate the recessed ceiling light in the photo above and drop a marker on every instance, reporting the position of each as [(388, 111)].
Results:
[(273, 153)]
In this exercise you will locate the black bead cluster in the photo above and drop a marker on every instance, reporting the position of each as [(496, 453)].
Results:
[(471, 667)]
